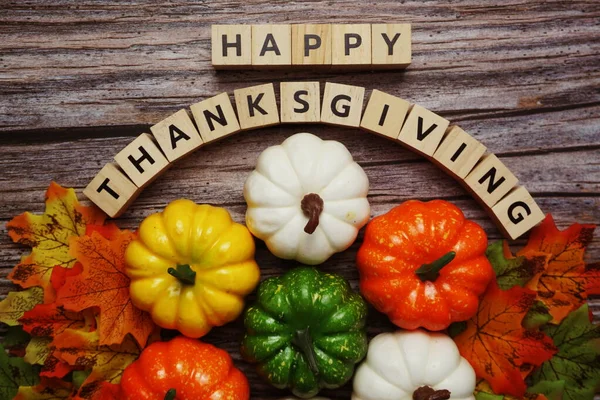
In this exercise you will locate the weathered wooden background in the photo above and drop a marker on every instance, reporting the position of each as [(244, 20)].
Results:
[(79, 79)]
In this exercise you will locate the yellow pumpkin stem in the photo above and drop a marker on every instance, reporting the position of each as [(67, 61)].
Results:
[(184, 273)]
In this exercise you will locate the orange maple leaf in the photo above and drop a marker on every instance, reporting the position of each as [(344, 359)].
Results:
[(496, 344), (566, 282), (104, 285), (48, 235)]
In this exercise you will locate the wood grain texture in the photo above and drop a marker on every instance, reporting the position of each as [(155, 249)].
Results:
[(79, 80)]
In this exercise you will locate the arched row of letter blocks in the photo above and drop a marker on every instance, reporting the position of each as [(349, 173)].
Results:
[(413, 126)]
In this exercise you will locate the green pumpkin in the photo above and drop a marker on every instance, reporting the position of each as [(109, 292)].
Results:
[(306, 331)]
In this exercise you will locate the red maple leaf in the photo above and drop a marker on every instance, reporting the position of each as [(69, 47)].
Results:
[(496, 344), (50, 319), (104, 285), (566, 281)]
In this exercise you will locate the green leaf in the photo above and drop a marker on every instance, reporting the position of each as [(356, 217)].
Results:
[(514, 271), (79, 377), (488, 396), (15, 372), (537, 316), (553, 390), (15, 337), (577, 362), (456, 328)]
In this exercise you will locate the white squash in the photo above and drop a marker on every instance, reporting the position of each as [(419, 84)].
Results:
[(399, 363), (307, 199)]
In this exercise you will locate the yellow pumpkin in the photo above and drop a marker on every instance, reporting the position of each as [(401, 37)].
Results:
[(191, 267)]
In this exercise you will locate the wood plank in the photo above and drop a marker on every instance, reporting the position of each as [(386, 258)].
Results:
[(520, 77), (137, 64)]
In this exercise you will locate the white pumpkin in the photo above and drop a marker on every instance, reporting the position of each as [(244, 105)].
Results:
[(399, 363), (307, 199)]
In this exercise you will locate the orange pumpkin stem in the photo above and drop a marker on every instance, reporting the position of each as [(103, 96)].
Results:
[(430, 272), (184, 273), (303, 340), (170, 394), (312, 206)]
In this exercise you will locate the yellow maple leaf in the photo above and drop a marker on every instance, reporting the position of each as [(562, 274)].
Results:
[(17, 303), (83, 349), (37, 350), (48, 235)]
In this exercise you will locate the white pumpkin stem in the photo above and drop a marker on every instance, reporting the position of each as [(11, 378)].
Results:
[(429, 393), (312, 206)]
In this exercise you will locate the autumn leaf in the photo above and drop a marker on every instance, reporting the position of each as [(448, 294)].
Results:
[(95, 388), (83, 350), (103, 284), (537, 316), (15, 372), (15, 340), (483, 391), (40, 351), (514, 271), (48, 235), (496, 344), (592, 273), (47, 389), (51, 319), (577, 362), (17, 303), (58, 278), (562, 286), (37, 350), (553, 390)]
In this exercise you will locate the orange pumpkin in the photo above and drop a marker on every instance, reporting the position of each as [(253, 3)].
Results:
[(424, 265), (183, 369)]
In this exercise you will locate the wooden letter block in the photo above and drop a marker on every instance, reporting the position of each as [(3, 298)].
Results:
[(311, 44), (231, 46), (111, 190), (517, 213), (271, 45), (458, 153), (256, 106), (342, 104), (300, 102), (215, 117), (351, 44), (142, 160), (384, 114), (423, 131), (391, 45), (490, 180), (176, 135)]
